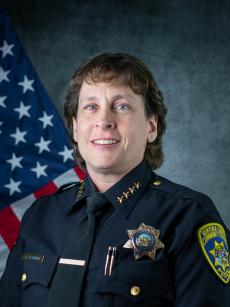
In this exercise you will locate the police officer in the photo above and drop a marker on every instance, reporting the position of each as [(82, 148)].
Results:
[(125, 236)]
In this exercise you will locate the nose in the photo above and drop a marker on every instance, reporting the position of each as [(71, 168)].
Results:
[(105, 124), (105, 120)]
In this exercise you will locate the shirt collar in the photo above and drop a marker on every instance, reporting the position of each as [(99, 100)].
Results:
[(123, 195)]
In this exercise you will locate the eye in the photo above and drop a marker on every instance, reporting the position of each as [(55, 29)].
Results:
[(90, 107), (122, 107)]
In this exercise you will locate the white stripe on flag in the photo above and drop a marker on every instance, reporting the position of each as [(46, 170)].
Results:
[(21, 205), (67, 177), (4, 252)]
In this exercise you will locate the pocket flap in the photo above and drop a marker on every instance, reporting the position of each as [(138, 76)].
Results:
[(137, 281), (35, 271)]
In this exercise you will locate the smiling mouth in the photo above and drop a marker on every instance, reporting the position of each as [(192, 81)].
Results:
[(105, 142)]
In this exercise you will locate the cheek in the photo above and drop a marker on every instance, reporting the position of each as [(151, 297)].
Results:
[(74, 129), (75, 134), (126, 143), (134, 137), (82, 131), (141, 138)]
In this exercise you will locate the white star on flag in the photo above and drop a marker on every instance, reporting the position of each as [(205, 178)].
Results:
[(39, 170), (15, 161), (46, 120), (23, 110), (6, 49), (19, 136), (4, 74), (0, 125), (43, 145), (13, 186), (2, 103), (66, 153), (26, 84)]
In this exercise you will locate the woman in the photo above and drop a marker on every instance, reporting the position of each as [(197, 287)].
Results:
[(152, 243)]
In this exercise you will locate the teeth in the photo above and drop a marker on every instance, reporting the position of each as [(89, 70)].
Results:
[(105, 142)]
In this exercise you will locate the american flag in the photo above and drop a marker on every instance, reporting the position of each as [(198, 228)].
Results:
[(36, 157)]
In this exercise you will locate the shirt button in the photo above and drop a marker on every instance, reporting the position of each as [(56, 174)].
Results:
[(135, 290), (24, 277), (156, 182)]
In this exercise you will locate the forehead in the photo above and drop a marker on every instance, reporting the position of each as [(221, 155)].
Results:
[(96, 89)]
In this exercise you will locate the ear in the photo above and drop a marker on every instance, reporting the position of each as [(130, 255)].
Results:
[(74, 121), (152, 132)]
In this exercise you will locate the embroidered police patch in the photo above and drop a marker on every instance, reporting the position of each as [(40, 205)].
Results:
[(214, 245)]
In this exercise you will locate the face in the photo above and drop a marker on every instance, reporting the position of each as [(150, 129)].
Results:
[(111, 128)]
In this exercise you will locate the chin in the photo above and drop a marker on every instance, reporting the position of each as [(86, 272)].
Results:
[(104, 167), (103, 162)]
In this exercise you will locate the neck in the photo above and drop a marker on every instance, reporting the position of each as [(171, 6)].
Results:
[(104, 181)]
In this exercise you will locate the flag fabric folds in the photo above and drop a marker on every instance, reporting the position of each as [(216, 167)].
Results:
[(36, 156)]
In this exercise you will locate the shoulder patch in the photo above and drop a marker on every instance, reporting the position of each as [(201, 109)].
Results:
[(213, 242)]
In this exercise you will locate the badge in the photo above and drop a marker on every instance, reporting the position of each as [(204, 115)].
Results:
[(214, 245), (144, 241)]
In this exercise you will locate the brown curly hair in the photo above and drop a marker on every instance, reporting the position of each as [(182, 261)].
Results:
[(120, 69)]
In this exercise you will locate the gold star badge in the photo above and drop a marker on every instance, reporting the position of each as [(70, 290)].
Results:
[(144, 241)]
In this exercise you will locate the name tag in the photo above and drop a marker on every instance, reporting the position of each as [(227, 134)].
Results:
[(33, 257), (72, 261)]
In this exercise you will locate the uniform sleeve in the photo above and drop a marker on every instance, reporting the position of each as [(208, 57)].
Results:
[(196, 282), (9, 284), (10, 290)]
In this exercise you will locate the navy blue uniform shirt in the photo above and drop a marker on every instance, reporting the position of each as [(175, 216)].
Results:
[(191, 263)]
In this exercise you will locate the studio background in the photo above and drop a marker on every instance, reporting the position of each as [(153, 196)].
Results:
[(186, 44)]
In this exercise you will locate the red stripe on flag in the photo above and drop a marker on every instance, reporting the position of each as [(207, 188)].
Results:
[(47, 189), (79, 172), (9, 226)]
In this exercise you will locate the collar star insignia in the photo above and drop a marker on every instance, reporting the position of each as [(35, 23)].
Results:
[(125, 195), (144, 241)]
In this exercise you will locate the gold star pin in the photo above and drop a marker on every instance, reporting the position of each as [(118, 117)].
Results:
[(125, 195), (144, 241)]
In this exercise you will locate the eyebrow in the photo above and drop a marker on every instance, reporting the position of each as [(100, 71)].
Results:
[(114, 97)]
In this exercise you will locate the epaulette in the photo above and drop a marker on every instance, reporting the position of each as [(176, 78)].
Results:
[(179, 191)]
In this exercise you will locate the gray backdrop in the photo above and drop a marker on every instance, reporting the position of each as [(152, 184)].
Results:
[(185, 43)]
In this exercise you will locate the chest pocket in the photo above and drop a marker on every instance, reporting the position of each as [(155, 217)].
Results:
[(35, 278), (139, 283)]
